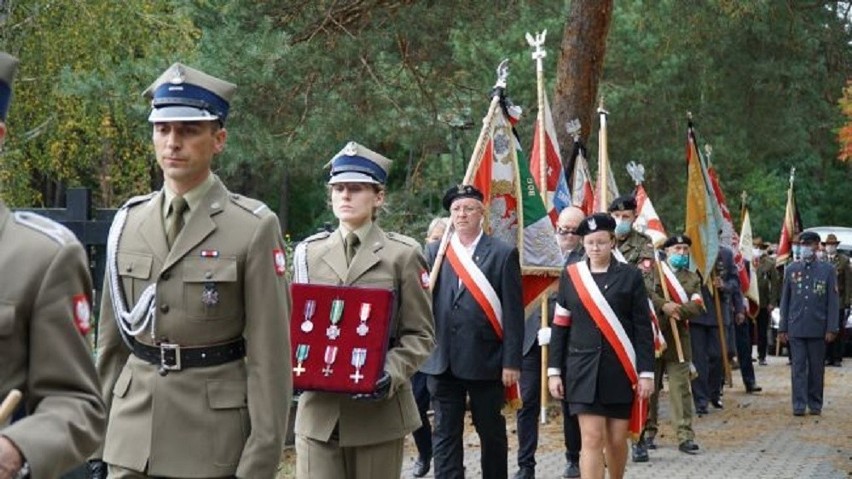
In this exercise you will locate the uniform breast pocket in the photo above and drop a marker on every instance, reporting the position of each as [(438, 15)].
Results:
[(134, 269), (211, 289)]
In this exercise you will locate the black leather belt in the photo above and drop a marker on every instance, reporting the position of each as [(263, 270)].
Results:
[(174, 357)]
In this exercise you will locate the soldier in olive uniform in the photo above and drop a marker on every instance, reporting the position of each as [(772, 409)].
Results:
[(768, 289), (809, 311), (636, 248), (834, 352), (362, 436), (682, 308), (45, 297), (195, 317)]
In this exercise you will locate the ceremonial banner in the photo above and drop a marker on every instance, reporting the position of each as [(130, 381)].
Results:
[(340, 341), (582, 190), (728, 235), (647, 220), (746, 250), (701, 221), (790, 228), (558, 196), (515, 211)]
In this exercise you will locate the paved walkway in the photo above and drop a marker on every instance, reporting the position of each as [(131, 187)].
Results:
[(754, 436)]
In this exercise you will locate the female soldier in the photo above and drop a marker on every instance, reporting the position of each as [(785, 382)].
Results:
[(603, 343), (362, 436)]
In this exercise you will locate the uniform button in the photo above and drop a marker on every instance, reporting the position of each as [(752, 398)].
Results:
[(128, 268), (166, 276), (208, 274), (164, 308)]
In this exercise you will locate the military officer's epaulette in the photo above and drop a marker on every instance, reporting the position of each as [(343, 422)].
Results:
[(46, 226), (317, 236), (406, 240), (137, 200), (253, 206)]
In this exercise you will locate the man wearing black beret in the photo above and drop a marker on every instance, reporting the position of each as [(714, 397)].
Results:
[(479, 329)]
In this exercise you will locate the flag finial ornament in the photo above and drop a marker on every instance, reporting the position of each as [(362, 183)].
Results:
[(537, 43), (502, 74), (636, 171)]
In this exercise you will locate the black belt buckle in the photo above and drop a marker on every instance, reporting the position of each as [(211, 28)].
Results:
[(169, 358)]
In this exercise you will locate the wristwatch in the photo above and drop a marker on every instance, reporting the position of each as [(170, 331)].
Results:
[(23, 472)]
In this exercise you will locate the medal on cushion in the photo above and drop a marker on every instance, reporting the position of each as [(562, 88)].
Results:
[(310, 307), (330, 357), (362, 328), (301, 355), (336, 314), (210, 295), (359, 356)]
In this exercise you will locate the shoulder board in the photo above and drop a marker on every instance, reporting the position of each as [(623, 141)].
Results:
[(46, 226), (406, 240), (253, 206), (138, 199), (317, 236)]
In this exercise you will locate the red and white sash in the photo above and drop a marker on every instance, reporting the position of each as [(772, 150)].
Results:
[(475, 281), (675, 289), (606, 320), (659, 340)]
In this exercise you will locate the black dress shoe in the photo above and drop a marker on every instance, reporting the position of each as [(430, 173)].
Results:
[(701, 410), (421, 466), (815, 412), (753, 388), (688, 447), (650, 444), (572, 470), (762, 362), (717, 403), (525, 473), (640, 452), (798, 413)]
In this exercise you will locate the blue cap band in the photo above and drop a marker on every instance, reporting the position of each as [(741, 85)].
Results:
[(5, 99), (186, 94), (343, 164)]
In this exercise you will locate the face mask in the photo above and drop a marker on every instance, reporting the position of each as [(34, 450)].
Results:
[(806, 253), (758, 253), (820, 255), (797, 251), (831, 248), (678, 261), (622, 228)]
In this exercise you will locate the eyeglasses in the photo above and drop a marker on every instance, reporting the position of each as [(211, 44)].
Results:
[(466, 209), (561, 231)]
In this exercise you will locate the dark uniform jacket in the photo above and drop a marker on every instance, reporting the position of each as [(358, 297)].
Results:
[(589, 364), (213, 421), (728, 293), (809, 300), (841, 267), (467, 345), (768, 282), (44, 286)]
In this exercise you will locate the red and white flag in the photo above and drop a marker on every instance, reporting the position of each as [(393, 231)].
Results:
[(648, 221)]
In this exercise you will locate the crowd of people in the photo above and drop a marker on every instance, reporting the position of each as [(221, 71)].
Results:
[(192, 376)]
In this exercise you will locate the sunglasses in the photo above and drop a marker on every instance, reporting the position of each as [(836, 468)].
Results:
[(565, 231)]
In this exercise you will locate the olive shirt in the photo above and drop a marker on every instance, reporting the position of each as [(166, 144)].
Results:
[(691, 283), (45, 287), (635, 247), (768, 282)]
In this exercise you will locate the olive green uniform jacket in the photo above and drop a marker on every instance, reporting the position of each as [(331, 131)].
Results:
[(214, 421), (44, 287)]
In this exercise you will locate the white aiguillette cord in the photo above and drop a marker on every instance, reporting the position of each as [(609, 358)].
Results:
[(130, 323)]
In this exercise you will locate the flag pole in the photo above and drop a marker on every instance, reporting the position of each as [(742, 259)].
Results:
[(10, 402), (672, 321), (603, 158), (475, 160), (538, 54)]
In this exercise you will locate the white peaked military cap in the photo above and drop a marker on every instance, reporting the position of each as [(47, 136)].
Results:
[(358, 164), (8, 68), (183, 93)]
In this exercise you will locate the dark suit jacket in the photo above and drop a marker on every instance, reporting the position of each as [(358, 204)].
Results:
[(589, 364), (467, 344), (729, 301)]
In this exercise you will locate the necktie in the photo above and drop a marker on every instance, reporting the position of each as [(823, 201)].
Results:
[(178, 207), (351, 247)]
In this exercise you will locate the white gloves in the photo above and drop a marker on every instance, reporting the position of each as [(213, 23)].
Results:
[(544, 336)]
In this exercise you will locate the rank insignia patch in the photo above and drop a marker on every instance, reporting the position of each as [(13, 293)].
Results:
[(424, 279)]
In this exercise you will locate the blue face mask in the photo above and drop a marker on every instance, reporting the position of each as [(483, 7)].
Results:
[(797, 251), (806, 253), (678, 261), (622, 228)]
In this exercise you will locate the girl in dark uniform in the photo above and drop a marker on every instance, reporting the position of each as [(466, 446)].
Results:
[(602, 344)]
